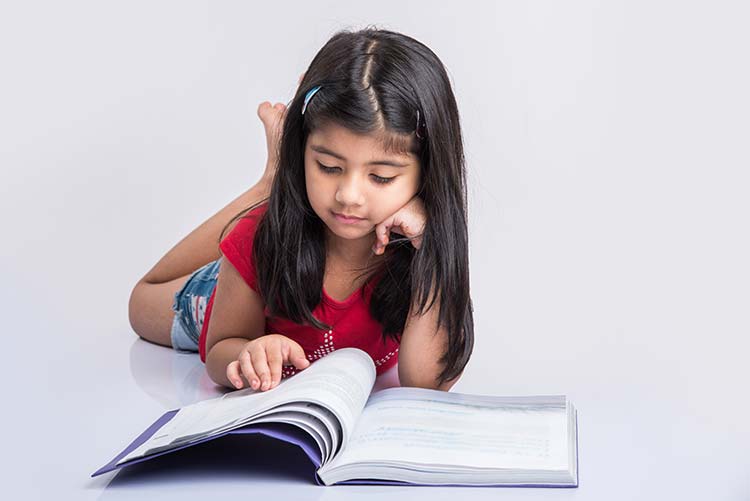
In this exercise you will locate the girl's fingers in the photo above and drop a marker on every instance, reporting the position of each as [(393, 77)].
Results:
[(381, 238), (247, 368), (260, 364), (262, 361), (409, 221), (273, 353), (386, 233), (233, 374), (296, 355)]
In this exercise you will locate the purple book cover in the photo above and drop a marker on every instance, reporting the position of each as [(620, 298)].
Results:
[(285, 433)]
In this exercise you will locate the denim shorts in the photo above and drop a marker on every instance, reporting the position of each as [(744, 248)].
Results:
[(190, 307)]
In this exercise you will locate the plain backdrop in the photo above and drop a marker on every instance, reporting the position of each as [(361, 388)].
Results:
[(607, 155)]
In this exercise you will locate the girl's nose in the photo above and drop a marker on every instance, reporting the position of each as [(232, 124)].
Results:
[(349, 193)]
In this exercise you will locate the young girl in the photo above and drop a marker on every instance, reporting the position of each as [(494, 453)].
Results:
[(371, 144)]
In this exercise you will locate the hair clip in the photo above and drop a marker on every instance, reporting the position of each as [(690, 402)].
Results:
[(309, 96), (417, 129)]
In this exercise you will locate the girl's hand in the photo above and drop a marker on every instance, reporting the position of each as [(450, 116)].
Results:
[(261, 359), (273, 124), (409, 220)]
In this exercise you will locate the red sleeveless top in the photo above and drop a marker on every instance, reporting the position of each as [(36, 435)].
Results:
[(352, 324)]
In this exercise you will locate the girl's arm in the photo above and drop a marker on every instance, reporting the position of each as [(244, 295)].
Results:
[(237, 317), (422, 345), (238, 352)]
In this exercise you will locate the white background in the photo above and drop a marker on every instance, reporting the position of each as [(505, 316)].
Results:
[(607, 149)]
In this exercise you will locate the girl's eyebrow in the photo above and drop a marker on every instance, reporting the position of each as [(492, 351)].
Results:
[(326, 151)]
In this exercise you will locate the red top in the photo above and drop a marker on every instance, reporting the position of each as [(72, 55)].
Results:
[(351, 321)]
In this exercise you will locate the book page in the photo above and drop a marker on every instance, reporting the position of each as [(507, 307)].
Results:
[(454, 432), (308, 423), (340, 382), (325, 423)]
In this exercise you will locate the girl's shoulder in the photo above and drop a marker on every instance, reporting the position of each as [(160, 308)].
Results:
[(258, 210), (244, 228), (237, 245), (249, 221)]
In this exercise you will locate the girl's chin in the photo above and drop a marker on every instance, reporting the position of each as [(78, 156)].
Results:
[(351, 232)]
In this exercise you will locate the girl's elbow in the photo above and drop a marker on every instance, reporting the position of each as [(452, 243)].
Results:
[(427, 382), (215, 372), (217, 360), (447, 385)]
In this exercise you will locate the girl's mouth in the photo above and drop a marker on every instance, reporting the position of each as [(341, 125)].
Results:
[(348, 220)]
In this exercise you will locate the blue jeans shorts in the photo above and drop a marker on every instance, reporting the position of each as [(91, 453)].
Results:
[(190, 307)]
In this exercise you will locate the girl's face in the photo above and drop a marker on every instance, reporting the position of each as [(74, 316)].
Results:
[(352, 175)]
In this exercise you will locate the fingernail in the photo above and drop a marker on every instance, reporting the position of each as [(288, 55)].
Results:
[(255, 384)]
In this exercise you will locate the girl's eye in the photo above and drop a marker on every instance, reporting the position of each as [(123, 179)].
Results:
[(378, 179), (382, 180), (325, 168)]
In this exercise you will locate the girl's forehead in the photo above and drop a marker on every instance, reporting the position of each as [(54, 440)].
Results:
[(381, 143)]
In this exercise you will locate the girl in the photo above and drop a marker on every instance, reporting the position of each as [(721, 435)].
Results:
[(370, 144)]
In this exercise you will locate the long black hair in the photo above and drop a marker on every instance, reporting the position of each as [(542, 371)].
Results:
[(387, 84)]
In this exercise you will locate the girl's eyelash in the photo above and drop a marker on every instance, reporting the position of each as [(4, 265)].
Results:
[(378, 179)]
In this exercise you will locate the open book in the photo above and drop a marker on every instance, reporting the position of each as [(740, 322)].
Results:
[(397, 435)]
